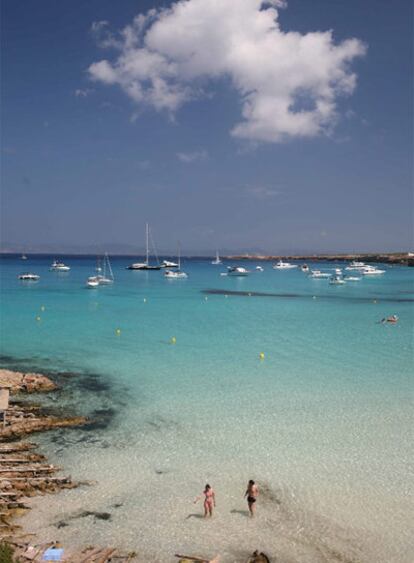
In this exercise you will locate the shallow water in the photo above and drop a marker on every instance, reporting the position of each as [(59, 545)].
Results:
[(323, 423)]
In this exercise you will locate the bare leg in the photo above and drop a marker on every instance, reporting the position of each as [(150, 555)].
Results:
[(251, 509)]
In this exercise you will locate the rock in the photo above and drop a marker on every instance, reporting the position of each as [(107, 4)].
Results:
[(27, 382)]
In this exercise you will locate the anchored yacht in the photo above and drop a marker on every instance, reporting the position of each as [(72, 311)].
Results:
[(284, 265), (29, 277), (59, 267), (237, 271)]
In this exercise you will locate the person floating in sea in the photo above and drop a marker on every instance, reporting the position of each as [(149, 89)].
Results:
[(209, 500), (391, 319), (252, 493)]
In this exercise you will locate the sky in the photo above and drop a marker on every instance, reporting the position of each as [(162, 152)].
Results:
[(243, 125)]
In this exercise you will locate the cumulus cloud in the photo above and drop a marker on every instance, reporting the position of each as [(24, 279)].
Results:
[(288, 83), (188, 157)]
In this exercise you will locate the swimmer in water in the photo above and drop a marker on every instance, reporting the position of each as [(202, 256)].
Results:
[(209, 501)]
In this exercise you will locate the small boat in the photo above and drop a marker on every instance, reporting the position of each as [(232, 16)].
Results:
[(176, 274), (336, 280), (392, 319), (145, 265), (107, 275), (372, 271), (338, 271), (59, 267), (304, 268), (237, 271), (27, 276), (284, 265), (168, 264), (319, 274), (23, 257), (92, 282), (217, 260), (352, 278), (259, 269)]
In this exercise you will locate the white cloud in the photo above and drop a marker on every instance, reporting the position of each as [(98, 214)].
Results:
[(188, 157), (262, 192), (288, 83), (83, 92)]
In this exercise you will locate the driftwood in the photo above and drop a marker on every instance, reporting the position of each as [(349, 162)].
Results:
[(196, 559)]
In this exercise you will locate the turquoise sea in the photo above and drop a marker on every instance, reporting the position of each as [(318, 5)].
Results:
[(323, 423)]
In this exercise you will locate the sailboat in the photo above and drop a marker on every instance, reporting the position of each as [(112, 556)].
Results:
[(217, 261), (107, 275), (176, 274), (145, 265)]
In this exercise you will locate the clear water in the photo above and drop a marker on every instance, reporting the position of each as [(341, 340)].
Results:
[(323, 423)]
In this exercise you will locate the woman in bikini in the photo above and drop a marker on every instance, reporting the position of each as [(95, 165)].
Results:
[(252, 494), (209, 500)]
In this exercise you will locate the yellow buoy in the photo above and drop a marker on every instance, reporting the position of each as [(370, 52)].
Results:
[(173, 340), (262, 356), (118, 331)]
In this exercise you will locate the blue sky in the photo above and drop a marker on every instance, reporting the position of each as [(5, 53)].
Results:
[(220, 128)]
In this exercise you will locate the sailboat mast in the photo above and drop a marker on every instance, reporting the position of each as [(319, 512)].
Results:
[(147, 250)]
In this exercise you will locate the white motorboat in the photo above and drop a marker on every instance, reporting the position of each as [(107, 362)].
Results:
[(217, 260), (337, 280), (284, 265), (352, 278), (59, 267), (354, 265), (371, 271), (259, 269), (23, 257), (304, 268), (176, 274), (27, 276), (338, 271), (237, 271), (145, 265), (168, 264), (319, 274), (92, 282)]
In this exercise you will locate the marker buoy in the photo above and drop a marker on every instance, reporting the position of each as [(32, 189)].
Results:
[(205, 298), (173, 340), (38, 318), (314, 297), (262, 356), (145, 299), (118, 331), (42, 308)]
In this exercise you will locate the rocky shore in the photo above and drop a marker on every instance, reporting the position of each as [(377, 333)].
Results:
[(406, 259), (24, 473)]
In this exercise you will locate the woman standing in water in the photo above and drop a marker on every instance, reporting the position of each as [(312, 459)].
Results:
[(209, 500), (252, 493)]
